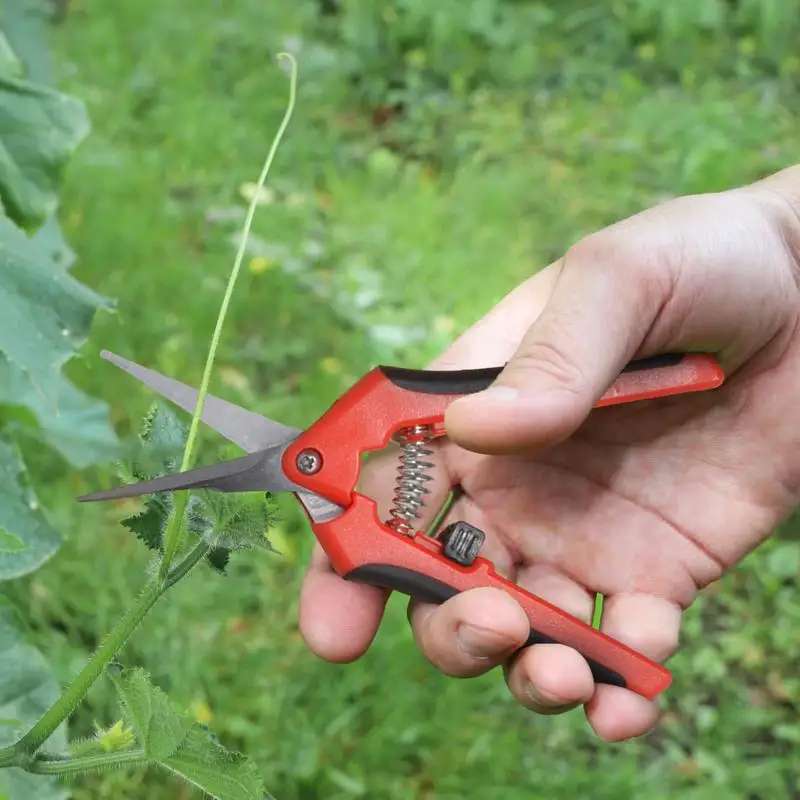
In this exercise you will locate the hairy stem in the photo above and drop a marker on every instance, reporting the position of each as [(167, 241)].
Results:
[(74, 766), (9, 757), (174, 532), (186, 564), (18, 754), (83, 681)]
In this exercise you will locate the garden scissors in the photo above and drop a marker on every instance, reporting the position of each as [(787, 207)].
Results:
[(320, 466)]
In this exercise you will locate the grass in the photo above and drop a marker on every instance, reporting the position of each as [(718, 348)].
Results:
[(381, 243)]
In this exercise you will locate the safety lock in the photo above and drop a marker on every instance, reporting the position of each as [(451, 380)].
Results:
[(462, 542)]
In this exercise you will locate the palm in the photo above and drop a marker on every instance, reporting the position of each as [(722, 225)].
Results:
[(623, 506)]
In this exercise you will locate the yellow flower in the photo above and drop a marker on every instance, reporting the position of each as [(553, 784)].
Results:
[(259, 264), (117, 737)]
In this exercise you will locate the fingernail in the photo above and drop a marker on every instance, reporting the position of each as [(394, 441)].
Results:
[(481, 643)]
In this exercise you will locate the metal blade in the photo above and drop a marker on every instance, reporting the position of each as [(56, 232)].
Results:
[(264, 439), (251, 431), (259, 471)]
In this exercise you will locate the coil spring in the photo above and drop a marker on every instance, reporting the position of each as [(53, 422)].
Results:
[(410, 488)]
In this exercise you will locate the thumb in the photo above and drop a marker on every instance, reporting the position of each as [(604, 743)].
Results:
[(600, 310)]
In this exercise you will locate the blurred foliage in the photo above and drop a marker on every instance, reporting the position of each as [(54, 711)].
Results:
[(440, 153), (425, 61)]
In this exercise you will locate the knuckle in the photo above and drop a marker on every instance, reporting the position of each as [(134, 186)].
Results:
[(549, 359), (643, 259)]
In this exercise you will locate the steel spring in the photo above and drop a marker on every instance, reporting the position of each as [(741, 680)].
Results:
[(410, 488)]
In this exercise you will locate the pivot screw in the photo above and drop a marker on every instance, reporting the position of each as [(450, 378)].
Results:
[(309, 461)]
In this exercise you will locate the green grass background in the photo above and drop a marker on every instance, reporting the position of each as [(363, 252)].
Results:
[(440, 153)]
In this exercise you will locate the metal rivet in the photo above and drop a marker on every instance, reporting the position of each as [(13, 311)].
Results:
[(309, 461)]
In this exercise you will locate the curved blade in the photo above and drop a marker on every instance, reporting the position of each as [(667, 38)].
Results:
[(255, 472), (249, 430)]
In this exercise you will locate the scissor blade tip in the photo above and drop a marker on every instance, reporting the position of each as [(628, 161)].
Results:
[(119, 493), (88, 498)]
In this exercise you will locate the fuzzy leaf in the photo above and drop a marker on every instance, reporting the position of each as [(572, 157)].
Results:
[(163, 436), (159, 726), (226, 521), (163, 432), (173, 740), (223, 775), (218, 558), (20, 518), (27, 690), (39, 130), (148, 526), (238, 522)]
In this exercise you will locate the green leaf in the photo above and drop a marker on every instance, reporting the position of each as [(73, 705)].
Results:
[(159, 726), (230, 522), (163, 436), (20, 517), (238, 522), (218, 558), (50, 240), (27, 690), (39, 130), (75, 425), (204, 762), (26, 23), (10, 543), (148, 526), (174, 741), (227, 522), (46, 314), (10, 65)]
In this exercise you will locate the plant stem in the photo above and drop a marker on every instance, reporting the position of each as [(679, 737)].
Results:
[(174, 532), (186, 564), (83, 681), (15, 755), (72, 766), (9, 757)]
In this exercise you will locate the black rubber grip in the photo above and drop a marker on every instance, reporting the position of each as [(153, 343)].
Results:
[(429, 590), (469, 381)]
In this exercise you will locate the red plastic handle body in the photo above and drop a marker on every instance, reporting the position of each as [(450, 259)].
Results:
[(361, 548)]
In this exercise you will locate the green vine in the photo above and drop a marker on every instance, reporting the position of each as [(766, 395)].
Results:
[(175, 530)]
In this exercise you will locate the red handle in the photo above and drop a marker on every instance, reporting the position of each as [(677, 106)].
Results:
[(361, 548), (387, 399)]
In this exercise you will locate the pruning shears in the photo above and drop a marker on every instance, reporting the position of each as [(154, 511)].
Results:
[(321, 465)]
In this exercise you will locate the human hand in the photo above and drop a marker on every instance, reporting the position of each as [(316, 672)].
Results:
[(645, 503)]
